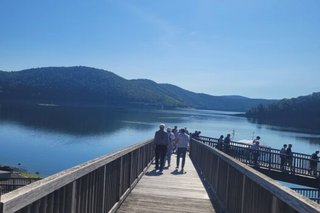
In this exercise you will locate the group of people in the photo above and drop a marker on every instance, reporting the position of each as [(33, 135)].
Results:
[(224, 143), (286, 157), (178, 140), (168, 141)]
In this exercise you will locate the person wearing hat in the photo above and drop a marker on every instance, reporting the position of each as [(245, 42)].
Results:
[(161, 140)]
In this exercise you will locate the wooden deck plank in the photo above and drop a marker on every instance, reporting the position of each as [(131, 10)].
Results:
[(171, 191)]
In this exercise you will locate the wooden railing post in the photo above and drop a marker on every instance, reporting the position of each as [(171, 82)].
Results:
[(269, 167), (274, 204), (120, 177), (103, 207), (227, 185), (131, 168), (73, 197), (139, 160), (243, 193), (217, 172)]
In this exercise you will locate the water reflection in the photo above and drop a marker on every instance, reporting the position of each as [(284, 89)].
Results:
[(302, 134), (76, 120), (86, 121), (288, 124), (310, 139)]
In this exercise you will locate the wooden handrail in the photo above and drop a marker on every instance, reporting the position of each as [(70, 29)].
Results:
[(269, 158), (240, 188), (98, 184), (13, 183), (312, 194)]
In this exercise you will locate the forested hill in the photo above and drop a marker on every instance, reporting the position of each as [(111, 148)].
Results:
[(203, 101), (303, 111), (85, 85)]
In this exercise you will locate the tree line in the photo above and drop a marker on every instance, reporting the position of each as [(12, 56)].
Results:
[(303, 111)]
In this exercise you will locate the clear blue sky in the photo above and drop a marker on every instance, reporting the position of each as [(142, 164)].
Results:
[(253, 48)]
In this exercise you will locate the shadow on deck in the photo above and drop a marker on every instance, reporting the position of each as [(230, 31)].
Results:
[(169, 191)]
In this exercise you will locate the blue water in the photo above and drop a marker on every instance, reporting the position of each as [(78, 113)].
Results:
[(48, 139)]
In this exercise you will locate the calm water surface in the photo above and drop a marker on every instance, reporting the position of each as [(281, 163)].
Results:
[(49, 139)]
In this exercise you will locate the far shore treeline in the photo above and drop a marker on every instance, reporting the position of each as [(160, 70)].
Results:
[(84, 86), (303, 112), (90, 86)]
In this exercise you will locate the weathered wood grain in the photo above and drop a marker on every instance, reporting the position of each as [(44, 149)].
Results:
[(171, 191)]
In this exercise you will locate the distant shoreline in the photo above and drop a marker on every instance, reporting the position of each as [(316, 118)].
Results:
[(119, 106), (22, 173)]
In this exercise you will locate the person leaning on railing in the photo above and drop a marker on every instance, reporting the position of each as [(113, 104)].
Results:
[(220, 143), (289, 157), (314, 163), (256, 152), (283, 156), (226, 144)]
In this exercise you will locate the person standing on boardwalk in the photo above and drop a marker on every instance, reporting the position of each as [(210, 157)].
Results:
[(257, 139), (170, 145), (161, 140), (182, 146), (220, 143), (289, 156), (314, 163), (226, 144), (256, 152), (176, 134), (283, 156)]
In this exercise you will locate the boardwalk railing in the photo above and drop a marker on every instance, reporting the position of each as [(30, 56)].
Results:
[(240, 188), (312, 194), (99, 185), (10, 184), (269, 158)]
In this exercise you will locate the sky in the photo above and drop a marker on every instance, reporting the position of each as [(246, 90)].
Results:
[(254, 48)]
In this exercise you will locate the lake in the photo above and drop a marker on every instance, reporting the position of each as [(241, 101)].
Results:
[(48, 139)]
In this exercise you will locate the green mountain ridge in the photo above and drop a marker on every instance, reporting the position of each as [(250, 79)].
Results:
[(86, 85), (201, 100)]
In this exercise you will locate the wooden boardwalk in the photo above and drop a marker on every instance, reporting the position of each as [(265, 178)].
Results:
[(171, 191)]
